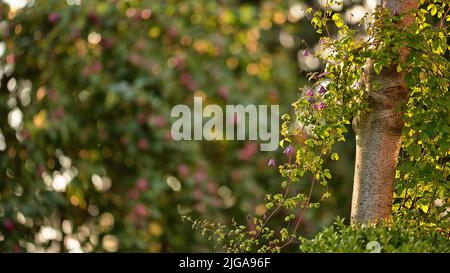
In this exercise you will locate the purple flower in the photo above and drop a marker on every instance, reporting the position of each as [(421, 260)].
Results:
[(311, 100), (54, 17), (322, 90), (272, 162), (320, 106), (305, 53), (289, 150), (309, 93)]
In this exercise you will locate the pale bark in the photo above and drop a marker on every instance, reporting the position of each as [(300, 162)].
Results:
[(378, 134)]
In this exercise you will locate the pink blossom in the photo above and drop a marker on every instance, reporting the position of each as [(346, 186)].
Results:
[(97, 67), (52, 94), (248, 151), (212, 187), (141, 118), (224, 92), (179, 62), (320, 106), (183, 170), (158, 121), (93, 18), (185, 78), (142, 184), (215, 202), (9, 225), (16, 248), (11, 59), (40, 169), (322, 90), (143, 144), (59, 113), (200, 176), (133, 194), (272, 162), (140, 210), (173, 32), (289, 150), (53, 17)]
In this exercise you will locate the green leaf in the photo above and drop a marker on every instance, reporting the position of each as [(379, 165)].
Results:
[(378, 67), (335, 156), (310, 142), (337, 20), (433, 11), (284, 234), (327, 174)]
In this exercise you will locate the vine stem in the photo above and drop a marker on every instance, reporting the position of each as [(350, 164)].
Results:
[(299, 218), (273, 213), (431, 202)]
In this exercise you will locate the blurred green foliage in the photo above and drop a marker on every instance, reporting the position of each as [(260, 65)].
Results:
[(87, 162)]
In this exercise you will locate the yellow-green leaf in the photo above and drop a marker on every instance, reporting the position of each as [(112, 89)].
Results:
[(337, 20), (335, 156)]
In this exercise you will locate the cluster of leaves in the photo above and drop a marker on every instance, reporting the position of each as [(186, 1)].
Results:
[(327, 108), (396, 237)]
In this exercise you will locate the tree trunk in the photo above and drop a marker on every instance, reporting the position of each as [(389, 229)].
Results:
[(378, 134)]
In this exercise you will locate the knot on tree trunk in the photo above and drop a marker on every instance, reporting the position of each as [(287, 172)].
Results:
[(387, 94)]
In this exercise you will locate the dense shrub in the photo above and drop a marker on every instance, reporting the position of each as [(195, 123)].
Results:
[(397, 236)]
